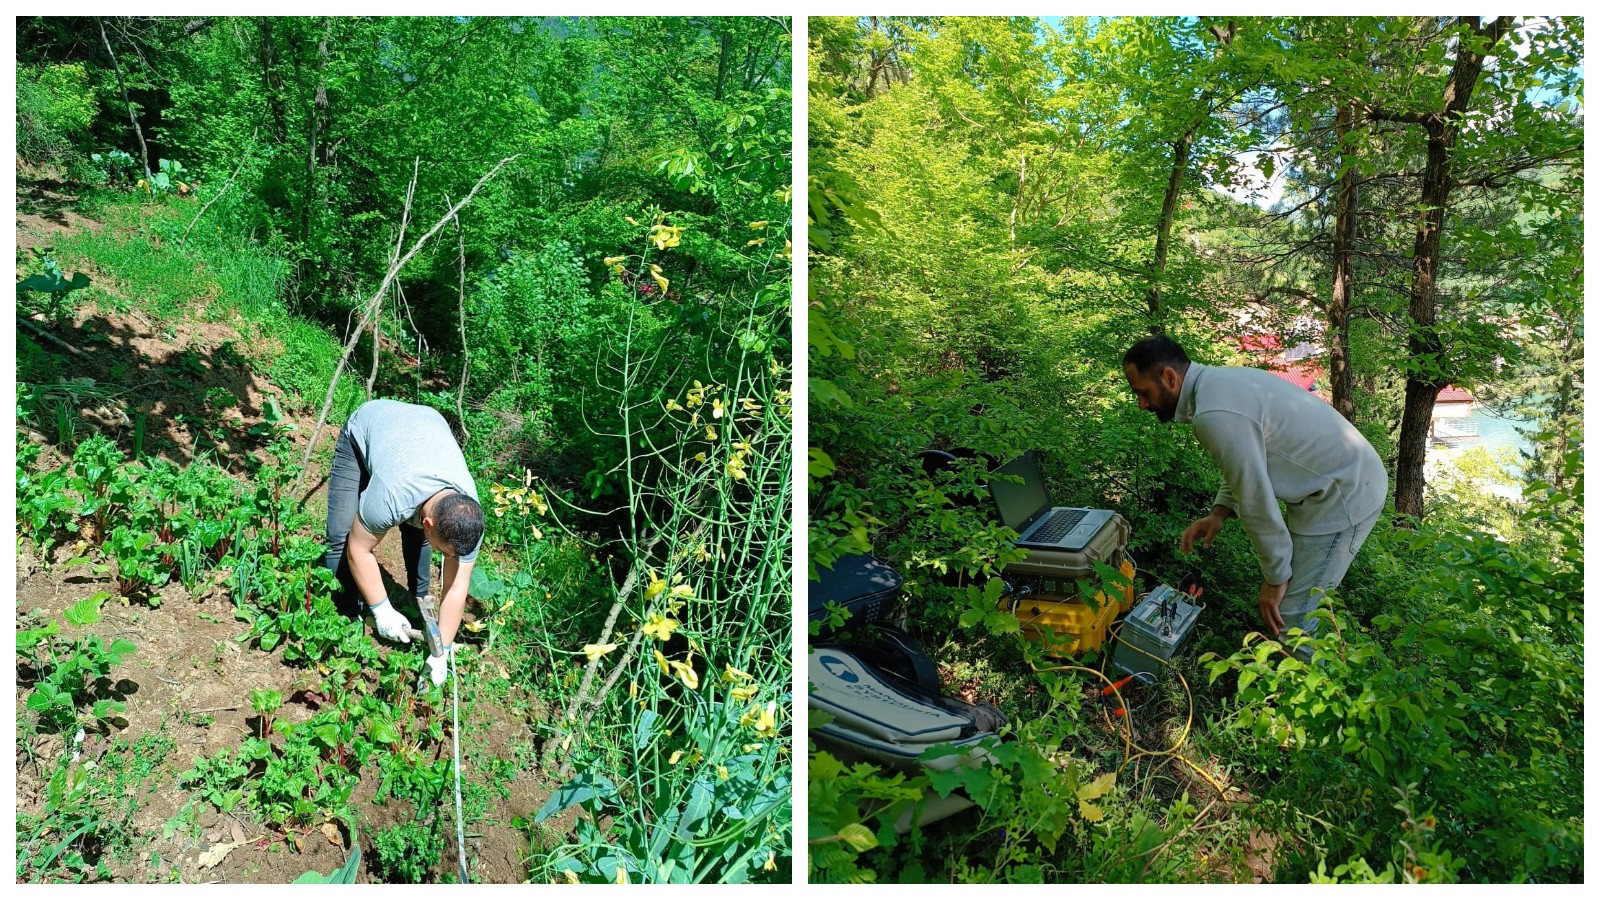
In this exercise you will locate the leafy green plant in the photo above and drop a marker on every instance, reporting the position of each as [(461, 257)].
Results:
[(66, 673), (407, 853), (139, 563), (52, 285)]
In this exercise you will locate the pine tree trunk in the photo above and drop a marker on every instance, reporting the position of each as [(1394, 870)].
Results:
[(1344, 251), (1427, 375)]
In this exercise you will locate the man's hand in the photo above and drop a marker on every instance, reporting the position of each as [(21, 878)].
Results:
[(390, 623), (1203, 530), (1269, 599), (434, 670)]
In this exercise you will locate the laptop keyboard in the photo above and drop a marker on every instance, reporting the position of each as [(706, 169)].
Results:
[(1057, 526)]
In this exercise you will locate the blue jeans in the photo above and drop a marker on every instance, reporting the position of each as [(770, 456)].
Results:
[(1320, 562), (346, 480)]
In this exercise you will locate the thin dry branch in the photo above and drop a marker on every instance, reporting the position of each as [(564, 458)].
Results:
[(377, 296), (225, 185), (461, 306)]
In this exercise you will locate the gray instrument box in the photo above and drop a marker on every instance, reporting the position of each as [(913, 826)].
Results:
[(1149, 630)]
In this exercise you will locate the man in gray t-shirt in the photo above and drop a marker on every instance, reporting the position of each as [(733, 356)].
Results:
[(1272, 441), (397, 465)]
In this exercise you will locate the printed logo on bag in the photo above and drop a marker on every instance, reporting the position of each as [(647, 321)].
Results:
[(838, 669)]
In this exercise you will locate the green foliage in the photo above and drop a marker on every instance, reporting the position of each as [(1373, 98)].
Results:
[(52, 285), (55, 106), (406, 853), (87, 817), (67, 673), (1460, 698)]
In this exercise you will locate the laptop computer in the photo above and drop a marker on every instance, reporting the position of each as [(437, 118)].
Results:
[(1025, 508)]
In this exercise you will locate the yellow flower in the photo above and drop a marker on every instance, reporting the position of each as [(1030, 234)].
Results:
[(757, 226), (633, 689), (749, 748), (655, 275), (700, 552), (659, 627), (716, 409), (711, 433), (572, 877), (614, 260), (673, 759), (730, 675), (784, 193), (665, 236), (686, 673), (755, 243), (764, 721), (744, 693), (682, 592), (662, 662), (672, 405), (700, 457), (788, 250), (771, 865), (629, 220), (473, 627), (655, 586), (736, 468), (750, 405), (595, 651), (622, 875), (722, 772)]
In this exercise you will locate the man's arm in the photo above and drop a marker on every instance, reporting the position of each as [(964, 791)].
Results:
[(358, 552), (1240, 449), (457, 579)]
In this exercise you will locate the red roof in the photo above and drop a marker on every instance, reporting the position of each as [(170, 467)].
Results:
[(1453, 394), (1259, 343), (1301, 375)]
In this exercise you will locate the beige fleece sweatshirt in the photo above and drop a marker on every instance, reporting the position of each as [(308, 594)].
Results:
[(1274, 441)]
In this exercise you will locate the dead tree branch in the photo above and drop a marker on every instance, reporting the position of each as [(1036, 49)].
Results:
[(371, 306)]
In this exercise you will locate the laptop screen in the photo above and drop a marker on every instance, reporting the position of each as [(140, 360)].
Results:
[(1017, 503)]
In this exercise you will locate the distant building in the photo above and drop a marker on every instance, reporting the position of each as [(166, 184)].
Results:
[(1300, 365), (1452, 425)]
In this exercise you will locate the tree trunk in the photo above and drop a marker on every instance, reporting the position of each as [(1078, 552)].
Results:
[(722, 65), (1344, 246), (1427, 376), (318, 119), (271, 84), (144, 152), (1169, 208)]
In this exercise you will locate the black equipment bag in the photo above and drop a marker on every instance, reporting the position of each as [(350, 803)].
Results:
[(865, 587)]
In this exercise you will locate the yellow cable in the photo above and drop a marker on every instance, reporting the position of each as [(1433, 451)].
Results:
[(1128, 745)]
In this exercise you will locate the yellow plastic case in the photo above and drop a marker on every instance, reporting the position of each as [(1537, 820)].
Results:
[(1054, 616)]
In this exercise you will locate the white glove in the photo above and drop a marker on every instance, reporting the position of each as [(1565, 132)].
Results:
[(391, 624), (435, 669)]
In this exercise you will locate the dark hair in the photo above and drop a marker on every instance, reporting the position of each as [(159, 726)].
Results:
[(459, 520), (1151, 355)]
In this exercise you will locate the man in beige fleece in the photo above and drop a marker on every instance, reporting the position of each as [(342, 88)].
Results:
[(1272, 441)]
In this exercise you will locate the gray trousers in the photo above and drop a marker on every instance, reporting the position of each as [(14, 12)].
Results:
[(1320, 562), (346, 480)]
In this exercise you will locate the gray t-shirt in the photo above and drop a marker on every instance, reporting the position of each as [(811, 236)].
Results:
[(411, 455)]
